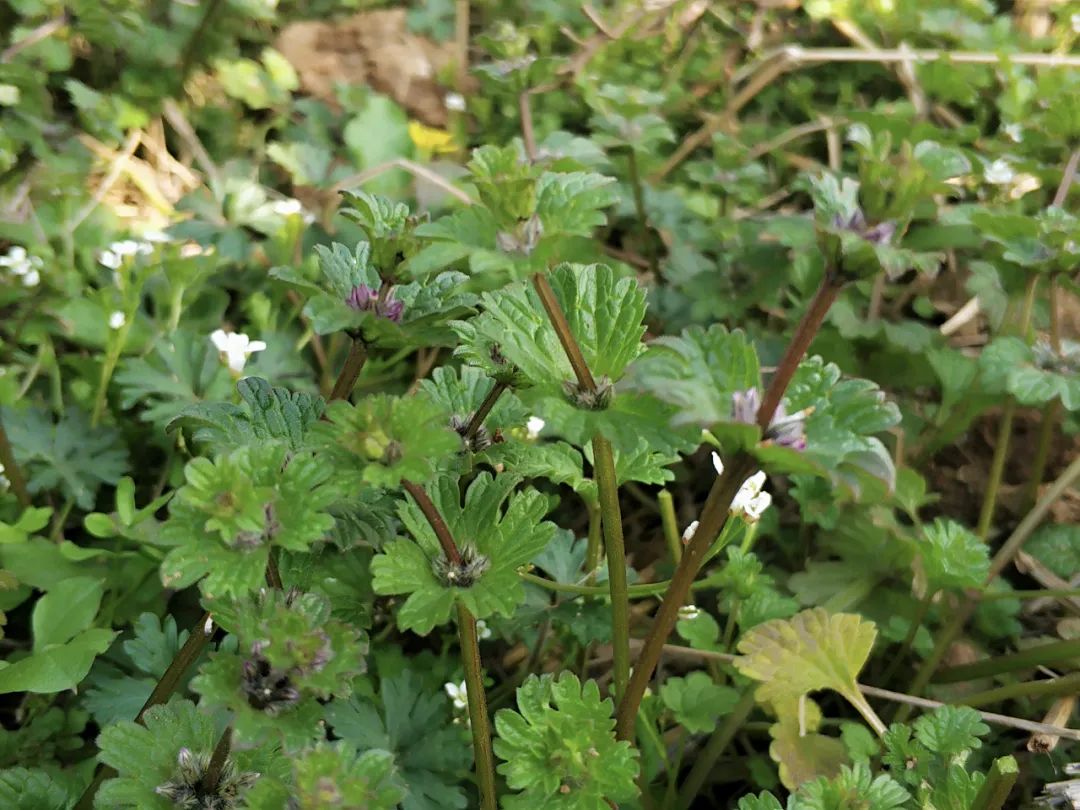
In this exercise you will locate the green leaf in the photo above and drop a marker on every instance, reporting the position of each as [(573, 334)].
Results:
[(268, 413), (559, 747), (155, 644), (382, 439), (56, 668), (763, 801), (182, 370), (429, 752), (813, 650), (697, 702), (951, 730), (854, 787), (224, 520), (22, 789), (505, 538), (1057, 546), (604, 313), (952, 556), (171, 751), (573, 203), (69, 455), (698, 372), (366, 781), (66, 610)]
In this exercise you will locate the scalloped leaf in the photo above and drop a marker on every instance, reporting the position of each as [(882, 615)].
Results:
[(812, 650)]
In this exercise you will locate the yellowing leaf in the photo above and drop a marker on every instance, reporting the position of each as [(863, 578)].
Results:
[(800, 753), (810, 651)]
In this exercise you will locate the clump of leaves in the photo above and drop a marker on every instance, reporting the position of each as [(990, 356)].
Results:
[(559, 747)]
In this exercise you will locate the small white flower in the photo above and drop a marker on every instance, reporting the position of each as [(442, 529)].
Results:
[(156, 236), (1000, 173), (117, 320), (286, 207), (534, 425), (691, 530), (750, 490), (482, 630), (756, 506), (455, 102), (15, 257), (689, 612), (31, 279), (110, 259), (1015, 132), (208, 626), (458, 693), (236, 348), (717, 463)]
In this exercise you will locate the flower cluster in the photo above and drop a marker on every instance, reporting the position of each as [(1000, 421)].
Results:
[(383, 305), (236, 348), (880, 234), (23, 265), (117, 252)]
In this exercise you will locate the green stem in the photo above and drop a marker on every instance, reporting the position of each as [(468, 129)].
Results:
[(1034, 593), (478, 715), (639, 591), (856, 699), (997, 468), (176, 308), (611, 523), (594, 545), (999, 783), (717, 503), (112, 357), (12, 471), (1050, 415), (354, 364), (639, 205), (1003, 557), (1053, 687), (670, 524), (714, 748), (1042, 655)]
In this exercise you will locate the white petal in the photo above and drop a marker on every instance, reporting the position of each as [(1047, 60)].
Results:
[(31, 279), (116, 320), (455, 101), (534, 425), (255, 346), (220, 339), (110, 259), (691, 530), (717, 463)]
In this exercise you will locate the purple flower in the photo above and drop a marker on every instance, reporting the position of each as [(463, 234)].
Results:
[(368, 299), (786, 430), (880, 234)]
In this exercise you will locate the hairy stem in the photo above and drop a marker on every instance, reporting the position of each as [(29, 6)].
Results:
[(354, 364), (594, 545), (639, 591), (12, 471), (483, 411), (112, 357), (1003, 557), (528, 134), (611, 522), (434, 519), (717, 504), (478, 715), (714, 748)]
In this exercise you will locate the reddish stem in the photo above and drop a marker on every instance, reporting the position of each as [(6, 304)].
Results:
[(438, 525)]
